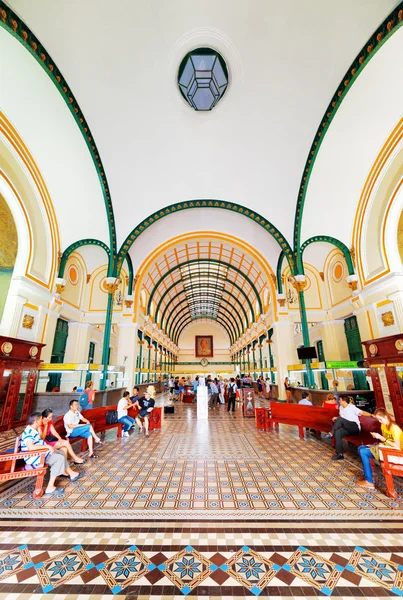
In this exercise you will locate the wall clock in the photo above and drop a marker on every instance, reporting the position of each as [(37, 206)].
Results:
[(204, 362), (399, 345), (6, 347), (373, 349), (33, 351)]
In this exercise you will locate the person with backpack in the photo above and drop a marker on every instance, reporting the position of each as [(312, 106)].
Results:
[(232, 389)]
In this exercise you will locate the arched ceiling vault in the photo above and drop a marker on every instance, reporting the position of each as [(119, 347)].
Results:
[(205, 278), (131, 120)]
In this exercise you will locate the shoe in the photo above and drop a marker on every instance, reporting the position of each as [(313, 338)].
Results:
[(56, 492), (81, 463), (366, 484), (93, 455), (141, 430), (125, 434), (78, 477), (338, 457), (147, 435), (327, 436)]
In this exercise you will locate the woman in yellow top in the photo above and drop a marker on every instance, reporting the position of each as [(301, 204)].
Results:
[(391, 436)]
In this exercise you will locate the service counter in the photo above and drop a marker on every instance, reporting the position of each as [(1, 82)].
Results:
[(317, 397), (59, 401)]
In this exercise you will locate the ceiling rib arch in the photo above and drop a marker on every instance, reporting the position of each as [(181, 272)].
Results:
[(186, 320), (234, 327)]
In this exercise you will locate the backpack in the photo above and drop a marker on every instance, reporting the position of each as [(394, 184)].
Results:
[(232, 392), (83, 401), (111, 417)]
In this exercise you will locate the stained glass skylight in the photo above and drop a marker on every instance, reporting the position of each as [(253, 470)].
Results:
[(203, 78)]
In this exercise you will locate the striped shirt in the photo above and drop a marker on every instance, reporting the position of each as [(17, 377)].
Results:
[(30, 433), (213, 388)]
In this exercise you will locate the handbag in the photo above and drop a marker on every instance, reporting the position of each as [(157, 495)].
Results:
[(51, 438), (111, 417)]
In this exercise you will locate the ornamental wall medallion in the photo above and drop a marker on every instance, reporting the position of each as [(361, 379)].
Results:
[(388, 318)]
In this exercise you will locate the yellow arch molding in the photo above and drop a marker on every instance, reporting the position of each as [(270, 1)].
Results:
[(144, 267), (387, 150), (11, 135)]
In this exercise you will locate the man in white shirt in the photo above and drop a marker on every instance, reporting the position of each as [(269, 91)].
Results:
[(347, 424), (128, 422), (72, 424)]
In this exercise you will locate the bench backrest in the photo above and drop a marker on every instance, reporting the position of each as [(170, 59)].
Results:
[(304, 415)]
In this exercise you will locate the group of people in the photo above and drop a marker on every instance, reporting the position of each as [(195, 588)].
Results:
[(348, 423), (41, 432)]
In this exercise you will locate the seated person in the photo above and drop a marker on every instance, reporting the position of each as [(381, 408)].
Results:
[(72, 423), (135, 395), (330, 401), (305, 399), (128, 422), (145, 405), (348, 423), (30, 440), (391, 436), (50, 436)]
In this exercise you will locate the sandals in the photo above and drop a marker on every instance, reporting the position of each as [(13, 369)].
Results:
[(81, 463), (93, 455), (78, 477), (56, 492)]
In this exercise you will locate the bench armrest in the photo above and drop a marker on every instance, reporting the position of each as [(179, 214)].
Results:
[(13, 456), (391, 452)]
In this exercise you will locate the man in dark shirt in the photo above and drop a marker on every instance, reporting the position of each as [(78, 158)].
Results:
[(145, 405)]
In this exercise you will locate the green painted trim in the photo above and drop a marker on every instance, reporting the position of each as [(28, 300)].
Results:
[(174, 208), (210, 363), (173, 329), (221, 279), (73, 247), (234, 325), (12, 23), (335, 242), (278, 273), (106, 341), (191, 296), (131, 274), (305, 336), (222, 323), (210, 260), (389, 26)]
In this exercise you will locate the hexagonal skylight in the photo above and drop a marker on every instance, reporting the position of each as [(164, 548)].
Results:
[(203, 78)]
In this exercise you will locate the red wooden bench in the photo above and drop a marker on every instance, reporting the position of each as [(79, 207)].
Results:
[(303, 417), (12, 466), (154, 420), (390, 469), (97, 418)]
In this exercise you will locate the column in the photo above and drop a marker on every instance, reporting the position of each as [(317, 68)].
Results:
[(284, 351), (334, 340), (261, 359), (78, 342), (127, 351), (140, 362), (149, 348)]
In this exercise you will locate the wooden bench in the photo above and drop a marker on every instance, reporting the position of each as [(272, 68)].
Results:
[(12, 466), (389, 469), (303, 417), (155, 418), (97, 418)]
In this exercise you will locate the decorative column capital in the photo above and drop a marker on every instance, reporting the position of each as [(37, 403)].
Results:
[(299, 282), (281, 298), (112, 284), (129, 301), (352, 281), (60, 285)]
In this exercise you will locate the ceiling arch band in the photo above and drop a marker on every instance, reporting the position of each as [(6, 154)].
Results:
[(73, 247), (210, 260), (384, 32), (196, 295), (183, 291), (186, 319), (11, 22), (335, 242), (179, 318), (202, 319), (213, 301)]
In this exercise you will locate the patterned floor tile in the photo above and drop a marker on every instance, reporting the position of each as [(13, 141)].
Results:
[(319, 572), (250, 569), (60, 569), (187, 569), (377, 569), (124, 569), (15, 560)]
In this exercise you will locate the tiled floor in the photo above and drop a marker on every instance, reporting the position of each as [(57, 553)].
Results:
[(214, 509)]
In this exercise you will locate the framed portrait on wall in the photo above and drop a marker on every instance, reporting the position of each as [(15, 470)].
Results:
[(204, 345)]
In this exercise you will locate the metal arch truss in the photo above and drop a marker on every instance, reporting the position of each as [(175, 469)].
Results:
[(335, 242), (209, 203), (188, 296), (220, 320), (20, 31), (206, 261), (171, 330), (73, 247)]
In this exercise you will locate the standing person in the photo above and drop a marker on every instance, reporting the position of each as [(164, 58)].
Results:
[(238, 381), (220, 387), (181, 389), (268, 387), (288, 389), (50, 436), (78, 426), (171, 386), (259, 385), (232, 389), (145, 405), (128, 422), (213, 390), (348, 423), (195, 386), (30, 440), (391, 436), (89, 388)]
